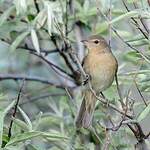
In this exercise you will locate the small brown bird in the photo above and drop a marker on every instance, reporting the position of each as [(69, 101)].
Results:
[(101, 65)]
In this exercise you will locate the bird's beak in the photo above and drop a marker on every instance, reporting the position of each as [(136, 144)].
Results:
[(84, 41)]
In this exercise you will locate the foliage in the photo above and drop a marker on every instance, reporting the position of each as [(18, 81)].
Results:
[(35, 41)]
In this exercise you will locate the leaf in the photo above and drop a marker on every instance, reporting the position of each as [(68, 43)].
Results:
[(86, 5), (2, 116), (54, 136), (21, 124), (35, 41), (9, 107), (144, 113), (54, 17), (18, 40), (40, 19), (126, 15), (26, 118), (23, 137), (37, 121), (1, 127), (21, 6), (50, 17), (5, 15)]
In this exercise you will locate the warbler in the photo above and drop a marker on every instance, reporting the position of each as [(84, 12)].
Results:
[(101, 66)]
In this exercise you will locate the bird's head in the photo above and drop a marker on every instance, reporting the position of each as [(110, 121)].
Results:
[(95, 42)]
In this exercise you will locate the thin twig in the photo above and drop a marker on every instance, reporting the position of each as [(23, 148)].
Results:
[(115, 31), (45, 52), (64, 56), (146, 58), (140, 94), (110, 17), (15, 110), (107, 141), (119, 91), (142, 21), (30, 78), (148, 1), (136, 23), (53, 66), (147, 136), (36, 6), (36, 98)]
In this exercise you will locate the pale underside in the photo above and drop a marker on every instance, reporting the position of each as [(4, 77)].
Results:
[(101, 69)]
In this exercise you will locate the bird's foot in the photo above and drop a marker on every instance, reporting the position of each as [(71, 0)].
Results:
[(86, 80)]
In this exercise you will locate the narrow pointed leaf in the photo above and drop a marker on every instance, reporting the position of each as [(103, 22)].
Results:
[(5, 15), (35, 40), (144, 113), (18, 40), (26, 118), (23, 137)]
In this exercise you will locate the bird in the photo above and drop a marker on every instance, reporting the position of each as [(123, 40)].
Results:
[(101, 66)]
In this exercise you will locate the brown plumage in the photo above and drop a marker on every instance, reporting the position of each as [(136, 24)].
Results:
[(101, 65)]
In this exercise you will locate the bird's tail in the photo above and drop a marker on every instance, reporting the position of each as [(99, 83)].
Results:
[(85, 115)]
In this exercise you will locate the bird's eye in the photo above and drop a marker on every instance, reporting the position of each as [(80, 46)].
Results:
[(96, 41)]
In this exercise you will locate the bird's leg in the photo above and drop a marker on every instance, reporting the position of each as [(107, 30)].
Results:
[(103, 96)]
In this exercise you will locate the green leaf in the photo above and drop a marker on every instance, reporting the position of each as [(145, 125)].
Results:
[(18, 40), (1, 127), (9, 107), (2, 116), (37, 121), (5, 15), (21, 124), (30, 17), (40, 19), (26, 118), (23, 137), (28, 135), (21, 6), (54, 136), (35, 41), (144, 113), (126, 15)]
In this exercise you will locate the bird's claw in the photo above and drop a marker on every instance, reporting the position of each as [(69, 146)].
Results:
[(85, 81)]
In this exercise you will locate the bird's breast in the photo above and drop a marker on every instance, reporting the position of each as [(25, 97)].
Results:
[(102, 69)]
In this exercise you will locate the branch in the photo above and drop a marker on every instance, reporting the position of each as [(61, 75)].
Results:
[(148, 1), (46, 52), (15, 110), (36, 6), (31, 78), (136, 23), (53, 66), (142, 21), (115, 31), (140, 93), (63, 54), (36, 98), (146, 58)]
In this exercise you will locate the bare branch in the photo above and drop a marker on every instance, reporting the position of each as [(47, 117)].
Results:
[(140, 94), (142, 21), (36, 6), (136, 23), (36, 98), (31, 78), (15, 111)]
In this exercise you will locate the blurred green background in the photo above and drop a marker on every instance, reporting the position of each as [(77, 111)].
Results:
[(46, 114)]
